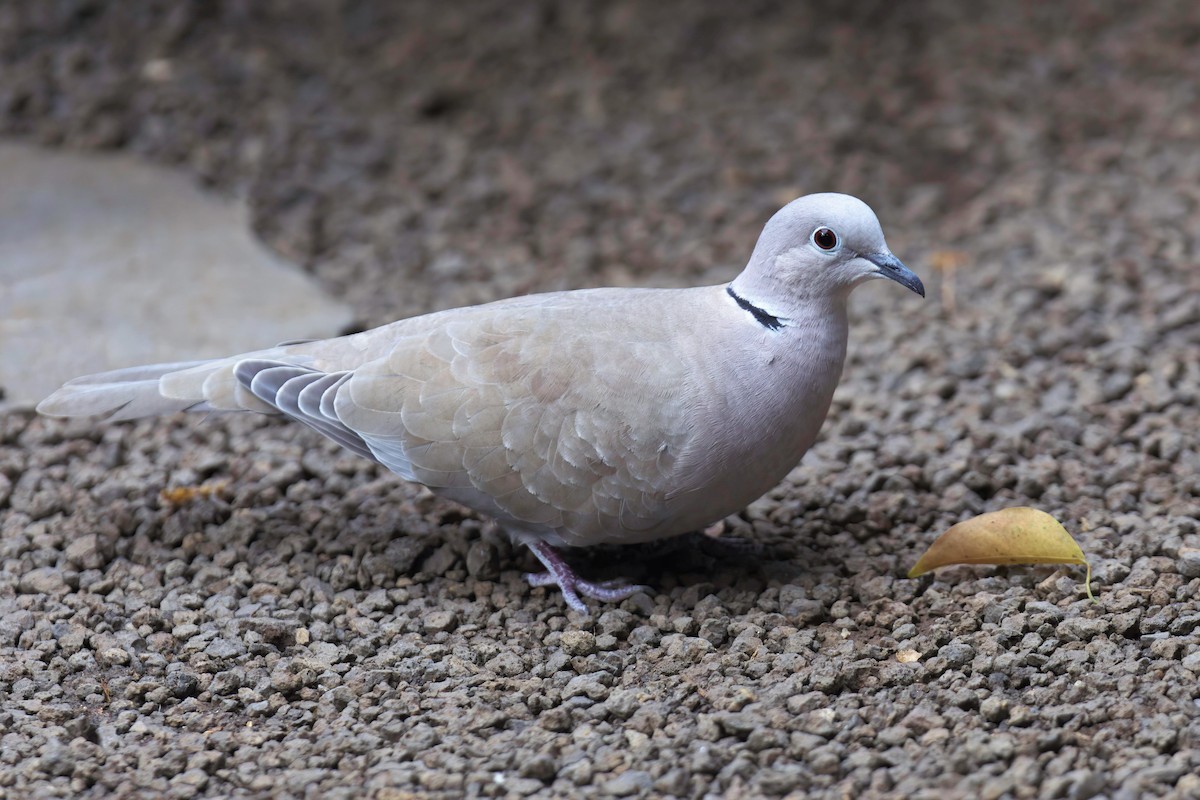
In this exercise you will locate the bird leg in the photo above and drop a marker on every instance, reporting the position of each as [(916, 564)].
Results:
[(559, 572)]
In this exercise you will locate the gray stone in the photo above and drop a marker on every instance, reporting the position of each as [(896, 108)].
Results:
[(780, 780), (440, 560), (89, 552), (440, 621), (43, 580), (994, 708), (482, 560), (622, 703), (578, 643), (1082, 628), (590, 685), (543, 767), (225, 648), (957, 653)]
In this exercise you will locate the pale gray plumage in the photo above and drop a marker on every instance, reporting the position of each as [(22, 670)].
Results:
[(574, 418)]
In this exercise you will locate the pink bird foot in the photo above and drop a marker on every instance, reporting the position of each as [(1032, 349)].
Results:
[(559, 573)]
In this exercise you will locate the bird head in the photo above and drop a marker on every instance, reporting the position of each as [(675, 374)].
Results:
[(822, 245)]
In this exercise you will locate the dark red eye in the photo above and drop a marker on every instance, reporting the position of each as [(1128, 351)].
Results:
[(825, 238)]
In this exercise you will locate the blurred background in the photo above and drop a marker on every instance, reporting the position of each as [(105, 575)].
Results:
[(423, 154)]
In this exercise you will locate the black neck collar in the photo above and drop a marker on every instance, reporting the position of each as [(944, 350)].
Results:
[(767, 320)]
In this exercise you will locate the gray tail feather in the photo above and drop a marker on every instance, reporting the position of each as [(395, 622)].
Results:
[(121, 394)]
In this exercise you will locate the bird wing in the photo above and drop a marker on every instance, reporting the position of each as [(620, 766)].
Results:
[(563, 415)]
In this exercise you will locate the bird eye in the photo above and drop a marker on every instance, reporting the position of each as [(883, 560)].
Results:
[(825, 238)]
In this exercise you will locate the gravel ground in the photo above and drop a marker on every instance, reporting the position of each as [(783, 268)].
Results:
[(307, 626)]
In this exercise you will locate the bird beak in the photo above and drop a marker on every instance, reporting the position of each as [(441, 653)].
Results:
[(893, 268)]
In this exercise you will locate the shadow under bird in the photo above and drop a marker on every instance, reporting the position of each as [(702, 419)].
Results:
[(599, 416)]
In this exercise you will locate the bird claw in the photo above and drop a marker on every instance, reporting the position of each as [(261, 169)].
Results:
[(536, 579), (559, 573)]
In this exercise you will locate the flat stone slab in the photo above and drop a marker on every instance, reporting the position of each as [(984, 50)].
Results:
[(108, 262)]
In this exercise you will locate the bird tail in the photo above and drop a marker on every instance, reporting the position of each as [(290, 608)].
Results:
[(157, 389), (212, 385)]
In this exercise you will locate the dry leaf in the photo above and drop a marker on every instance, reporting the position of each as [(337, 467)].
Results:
[(186, 494), (908, 656), (947, 262), (1012, 536)]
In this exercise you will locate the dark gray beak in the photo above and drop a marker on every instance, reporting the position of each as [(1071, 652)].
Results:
[(893, 268)]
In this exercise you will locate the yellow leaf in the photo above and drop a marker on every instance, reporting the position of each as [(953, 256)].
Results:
[(185, 494), (908, 656), (947, 260), (1012, 536)]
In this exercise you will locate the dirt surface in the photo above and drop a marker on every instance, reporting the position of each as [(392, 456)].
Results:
[(308, 626)]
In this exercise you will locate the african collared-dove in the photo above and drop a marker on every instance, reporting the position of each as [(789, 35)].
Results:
[(600, 416)]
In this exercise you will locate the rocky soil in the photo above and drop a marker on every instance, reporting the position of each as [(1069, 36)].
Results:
[(304, 625)]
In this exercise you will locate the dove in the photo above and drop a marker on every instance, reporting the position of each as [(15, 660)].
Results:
[(578, 418)]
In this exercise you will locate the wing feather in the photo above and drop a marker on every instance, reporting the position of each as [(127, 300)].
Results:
[(297, 392), (511, 413)]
